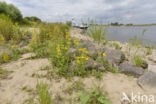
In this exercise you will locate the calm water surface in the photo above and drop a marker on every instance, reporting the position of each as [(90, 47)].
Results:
[(124, 33)]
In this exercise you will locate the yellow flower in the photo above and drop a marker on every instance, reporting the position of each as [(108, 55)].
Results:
[(78, 61), (6, 58), (68, 42), (87, 58), (95, 64), (65, 48), (104, 54)]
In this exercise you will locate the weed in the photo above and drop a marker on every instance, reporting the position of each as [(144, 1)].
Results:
[(106, 65), (75, 86), (94, 96), (45, 68), (97, 74), (44, 96), (27, 89), (138, 61), (97, 32), (4, 73), (116, 46)]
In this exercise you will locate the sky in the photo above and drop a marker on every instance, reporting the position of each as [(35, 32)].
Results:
[(122, 11)]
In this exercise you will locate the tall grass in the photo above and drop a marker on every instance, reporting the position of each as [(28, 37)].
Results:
[(9, 30), (97, 32), (44, 96)]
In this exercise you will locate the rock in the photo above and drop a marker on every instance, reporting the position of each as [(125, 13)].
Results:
[(127, 68), (92, 52), (144, 65), (152, 58), (91, 64), (86, 44), (114, 57), (148, 81), (23, 43), (72, 51)]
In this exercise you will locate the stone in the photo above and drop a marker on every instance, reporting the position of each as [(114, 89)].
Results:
[(148, 81), (92, 52), (114, 57), (91, 64), (23, 43), (86, 43), (144, 65), (127, 68), (72, 51)]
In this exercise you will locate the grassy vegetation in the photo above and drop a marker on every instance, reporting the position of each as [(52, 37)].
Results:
[(4, 73), (138, 61), (44, 96), (97, 32), (94, 96)]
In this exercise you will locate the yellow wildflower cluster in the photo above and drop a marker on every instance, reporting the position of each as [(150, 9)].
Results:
[(84, 58), (4, 58), (77, 42), (84, 50), (104, 54), (60, 48)]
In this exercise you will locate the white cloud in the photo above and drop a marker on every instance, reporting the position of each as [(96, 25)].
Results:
[(135, 11)]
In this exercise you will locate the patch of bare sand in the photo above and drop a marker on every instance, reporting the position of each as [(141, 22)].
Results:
[(10, 89)]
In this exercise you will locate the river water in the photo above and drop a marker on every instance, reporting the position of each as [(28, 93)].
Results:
[(124, 33)]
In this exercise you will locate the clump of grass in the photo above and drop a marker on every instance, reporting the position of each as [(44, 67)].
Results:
[(44, 96), (94, 96), (138, 61), (97, 32), (75, 86), (106, 65), (116, 45), (149, 51), (4, 73)]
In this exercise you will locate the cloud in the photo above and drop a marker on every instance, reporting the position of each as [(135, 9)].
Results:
[(125, 11)]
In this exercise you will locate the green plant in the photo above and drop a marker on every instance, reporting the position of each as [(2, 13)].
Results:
[(4, 73), (94, 96), (106, 65), (135, 41), (75, 86), (138, 61), (97, 32), (116, 46), (44, 96), (11, 11)]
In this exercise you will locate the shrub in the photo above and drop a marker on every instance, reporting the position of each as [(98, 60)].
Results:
[(6, 27), (8, 30), (11, 11)]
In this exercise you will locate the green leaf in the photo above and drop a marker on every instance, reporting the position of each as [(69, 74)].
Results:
[(84, 98)]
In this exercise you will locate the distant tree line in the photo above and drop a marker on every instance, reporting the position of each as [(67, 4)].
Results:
[(15, 15), (120, 24)]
